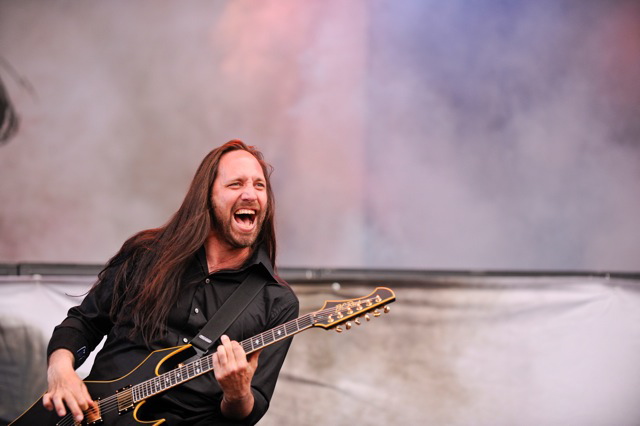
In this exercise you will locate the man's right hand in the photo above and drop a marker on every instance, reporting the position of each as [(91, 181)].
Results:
[(65, 387)]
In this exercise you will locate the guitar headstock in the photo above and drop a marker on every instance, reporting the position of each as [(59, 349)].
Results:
[(337, 312)]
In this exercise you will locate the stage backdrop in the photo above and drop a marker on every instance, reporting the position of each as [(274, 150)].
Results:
[(404, 133), (455, 350)]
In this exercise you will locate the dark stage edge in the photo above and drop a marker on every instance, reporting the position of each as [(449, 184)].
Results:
[(341, 275)]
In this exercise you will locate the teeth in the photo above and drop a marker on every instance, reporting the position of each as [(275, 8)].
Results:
[(246, 211)]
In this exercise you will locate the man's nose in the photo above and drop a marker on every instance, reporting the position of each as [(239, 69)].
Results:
[(249, 193)]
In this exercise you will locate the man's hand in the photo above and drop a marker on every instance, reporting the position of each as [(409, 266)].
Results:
[(65, 387), (234, 373)]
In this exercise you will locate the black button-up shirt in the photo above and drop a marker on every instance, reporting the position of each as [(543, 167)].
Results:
[(200, 297)]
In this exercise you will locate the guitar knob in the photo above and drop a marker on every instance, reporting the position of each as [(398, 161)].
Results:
[(376, 313), (348, 325), (339, 329), (367, 317), (357, 321), (387, 309)]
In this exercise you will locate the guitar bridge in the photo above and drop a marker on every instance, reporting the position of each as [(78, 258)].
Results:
[(93, 416)]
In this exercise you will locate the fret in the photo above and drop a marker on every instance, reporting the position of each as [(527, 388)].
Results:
[(180, 374), (268, 337), (280, 332), (291, 327), (305, 321), (257, 341)]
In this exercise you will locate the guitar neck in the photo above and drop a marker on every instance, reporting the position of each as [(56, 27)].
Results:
[(203, 365), (278, 333)]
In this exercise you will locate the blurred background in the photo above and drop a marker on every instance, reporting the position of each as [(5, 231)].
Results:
[(483, 157)]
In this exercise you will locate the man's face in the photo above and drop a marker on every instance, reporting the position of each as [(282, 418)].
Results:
[(239, 199)]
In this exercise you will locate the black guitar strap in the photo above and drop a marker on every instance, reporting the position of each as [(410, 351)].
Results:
[(228, 313)]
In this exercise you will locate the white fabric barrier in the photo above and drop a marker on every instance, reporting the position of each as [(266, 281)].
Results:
[(457, 350)]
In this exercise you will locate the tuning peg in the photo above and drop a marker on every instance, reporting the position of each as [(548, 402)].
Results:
[(357, 321), (387, 309), (349, 311), (348, 325), (339, 329), (367, 317), (359, 307), (376, 313), (330, 318), (339, 315)]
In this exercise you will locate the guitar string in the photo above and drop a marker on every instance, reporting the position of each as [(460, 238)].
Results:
[(111, 402)]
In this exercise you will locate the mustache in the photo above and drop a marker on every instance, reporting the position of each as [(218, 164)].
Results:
[(253, 205)]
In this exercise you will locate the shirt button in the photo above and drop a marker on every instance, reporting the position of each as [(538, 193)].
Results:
[(184, 339), (207, 281), (196, 310)]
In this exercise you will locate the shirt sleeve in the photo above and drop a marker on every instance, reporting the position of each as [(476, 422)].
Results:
[(85, 325), (271, 360)]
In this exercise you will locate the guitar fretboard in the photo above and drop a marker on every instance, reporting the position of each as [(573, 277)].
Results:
[(203, 365)]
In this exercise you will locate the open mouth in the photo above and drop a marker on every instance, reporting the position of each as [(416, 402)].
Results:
[(245, 218)]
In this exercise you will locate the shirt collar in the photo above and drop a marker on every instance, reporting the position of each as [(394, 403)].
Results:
[(259, 259)]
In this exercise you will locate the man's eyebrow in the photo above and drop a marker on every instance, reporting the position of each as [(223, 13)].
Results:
[(244, 178)]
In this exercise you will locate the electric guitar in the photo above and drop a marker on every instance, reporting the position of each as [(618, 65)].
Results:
[(121, 401)]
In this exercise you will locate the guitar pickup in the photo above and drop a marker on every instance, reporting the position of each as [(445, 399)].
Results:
[(125, 399)]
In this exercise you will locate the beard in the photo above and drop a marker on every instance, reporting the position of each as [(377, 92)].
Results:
[(223, 226)]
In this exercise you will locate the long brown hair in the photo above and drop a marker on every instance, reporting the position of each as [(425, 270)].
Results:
[(148, 268)]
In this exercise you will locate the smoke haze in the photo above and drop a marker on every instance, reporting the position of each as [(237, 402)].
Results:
[(411, 134)]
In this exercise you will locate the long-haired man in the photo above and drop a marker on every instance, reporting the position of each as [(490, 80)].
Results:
[(164, 284)]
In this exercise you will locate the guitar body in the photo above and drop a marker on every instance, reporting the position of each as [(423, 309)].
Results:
[(112, 413)]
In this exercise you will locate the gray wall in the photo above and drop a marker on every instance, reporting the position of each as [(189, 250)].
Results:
[(404, 134), (454, 350)]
